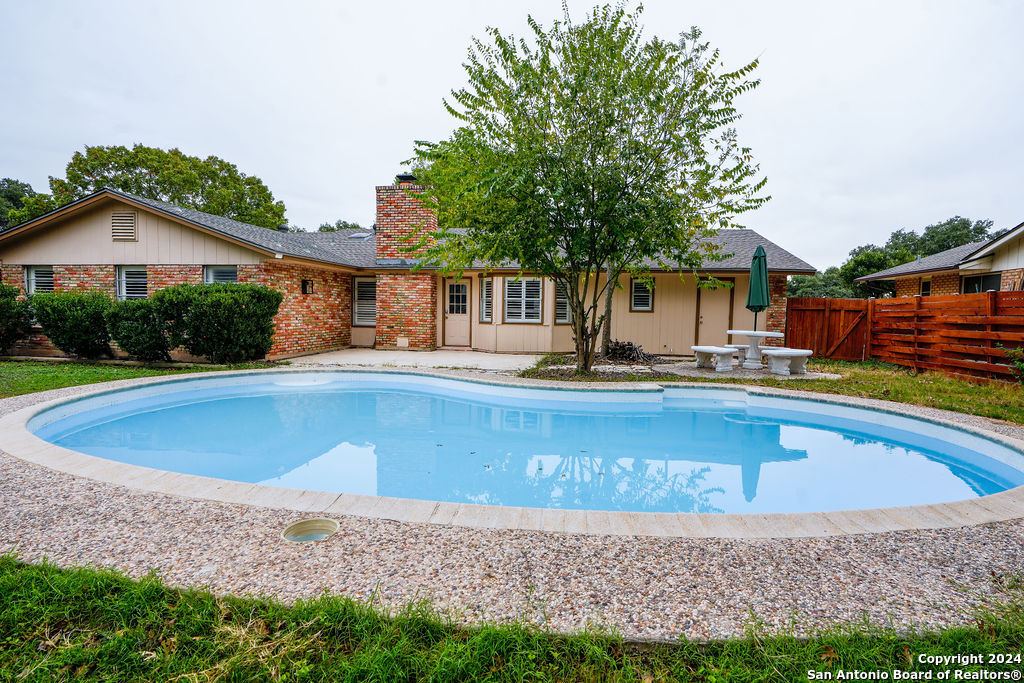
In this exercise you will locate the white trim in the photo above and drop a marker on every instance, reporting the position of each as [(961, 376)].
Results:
[(364, 308), (128, 285), (984, 249)]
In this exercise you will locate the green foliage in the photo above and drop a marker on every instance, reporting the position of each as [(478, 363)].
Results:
[(15, 321), (74, 321), (904, 246), (12, 198), (59, 624), (225, 323), (211, 184), (828, 284), (339, 225), (584, 149), (1016, 358), (138, 330)]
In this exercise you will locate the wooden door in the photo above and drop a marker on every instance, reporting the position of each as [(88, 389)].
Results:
[(456, 312), (714, 315)]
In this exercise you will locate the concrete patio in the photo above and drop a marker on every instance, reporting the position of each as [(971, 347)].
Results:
[(445, 358)]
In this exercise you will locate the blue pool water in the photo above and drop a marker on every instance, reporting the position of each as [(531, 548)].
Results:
[(679, 450)]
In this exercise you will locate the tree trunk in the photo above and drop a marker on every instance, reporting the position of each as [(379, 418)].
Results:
[(606, 331)]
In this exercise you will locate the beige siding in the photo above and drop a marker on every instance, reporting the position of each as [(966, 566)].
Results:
[(1010, 256), (85, 239), (669, 329)]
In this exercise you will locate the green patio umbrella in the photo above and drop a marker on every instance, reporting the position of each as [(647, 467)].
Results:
[(757, 293)]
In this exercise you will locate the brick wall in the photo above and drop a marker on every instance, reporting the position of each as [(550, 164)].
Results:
[(1012, 280), (306, 323), (908, 286), (775, 315), (406, 310), (159, 277), (944, 284), (399, 217)]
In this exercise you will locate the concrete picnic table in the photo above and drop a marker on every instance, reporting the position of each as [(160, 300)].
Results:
[(753, 359)]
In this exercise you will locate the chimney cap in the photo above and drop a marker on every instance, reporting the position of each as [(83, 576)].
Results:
[(283, 227), (403, 178)]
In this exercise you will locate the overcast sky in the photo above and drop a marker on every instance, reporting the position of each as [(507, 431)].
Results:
[(871, 116)]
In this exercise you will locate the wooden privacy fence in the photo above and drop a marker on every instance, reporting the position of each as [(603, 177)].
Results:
[(832, 328), (959, 334)]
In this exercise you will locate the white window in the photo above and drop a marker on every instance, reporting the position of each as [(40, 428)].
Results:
[(218, 274), (364, 302), (563, 314), (122, 226), (38, 279), (486, 300), (641, 297), (131, 282), (523, 299)]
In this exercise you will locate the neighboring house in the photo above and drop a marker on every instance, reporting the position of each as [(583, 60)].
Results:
[(996, 264), (357, 287)]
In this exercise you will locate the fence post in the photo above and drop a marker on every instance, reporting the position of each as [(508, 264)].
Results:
[(866, 354), (917, 308)]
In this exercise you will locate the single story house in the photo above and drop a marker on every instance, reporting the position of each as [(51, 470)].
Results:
[(995, 264), (357, 288)]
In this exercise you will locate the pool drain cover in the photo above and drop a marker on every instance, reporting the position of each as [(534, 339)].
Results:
[(307, 530)]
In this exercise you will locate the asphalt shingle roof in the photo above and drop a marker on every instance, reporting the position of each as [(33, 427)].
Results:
[(944, 260), (357, 248)]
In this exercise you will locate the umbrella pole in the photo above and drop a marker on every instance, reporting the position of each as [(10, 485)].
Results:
[(755, 321)]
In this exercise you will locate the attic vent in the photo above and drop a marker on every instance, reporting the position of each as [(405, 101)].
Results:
[(359, 235), (122, 226)]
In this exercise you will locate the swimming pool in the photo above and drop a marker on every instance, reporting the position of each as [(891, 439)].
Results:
[(684, 449)]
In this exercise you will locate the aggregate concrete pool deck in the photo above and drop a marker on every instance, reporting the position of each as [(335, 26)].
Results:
[(644, 585)]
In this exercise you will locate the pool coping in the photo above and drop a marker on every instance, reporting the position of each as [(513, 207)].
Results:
[(19, 442)]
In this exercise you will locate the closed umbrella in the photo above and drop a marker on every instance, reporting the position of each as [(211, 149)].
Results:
[(757, 293)]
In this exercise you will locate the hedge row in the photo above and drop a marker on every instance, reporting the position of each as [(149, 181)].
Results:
[(224, 323)]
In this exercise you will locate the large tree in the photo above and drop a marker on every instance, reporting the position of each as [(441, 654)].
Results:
[(211, 184), (588, 150), (13, 194)]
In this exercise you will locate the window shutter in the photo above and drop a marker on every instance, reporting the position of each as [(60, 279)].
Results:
[(221, 274), (562, 312), (122, 226), (364, 308), (133, 283), (642, 299), (532, 300), (513, 299), (486, 305), (40, 279)]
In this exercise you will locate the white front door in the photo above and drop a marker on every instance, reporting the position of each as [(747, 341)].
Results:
[(456, 312)]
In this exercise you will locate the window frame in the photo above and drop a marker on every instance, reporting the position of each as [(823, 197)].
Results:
[(633, 282), (486, 307), (356, 281), (539, 299), (210, 280), (567, 320), (30, 282), (122, 282), (981, 278)]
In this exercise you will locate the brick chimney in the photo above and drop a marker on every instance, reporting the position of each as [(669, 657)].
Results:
[(398, 217)]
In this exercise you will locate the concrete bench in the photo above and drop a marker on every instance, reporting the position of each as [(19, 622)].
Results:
[(741, 351), (783, 361), (717, 357)]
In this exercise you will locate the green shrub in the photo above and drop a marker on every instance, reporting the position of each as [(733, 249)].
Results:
[(138, 329), (15, 323), (74, 321), (1016, 358), (225, 323)]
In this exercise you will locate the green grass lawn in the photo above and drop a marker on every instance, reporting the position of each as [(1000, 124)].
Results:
[(869, 379), (82, 623), (25, 377)]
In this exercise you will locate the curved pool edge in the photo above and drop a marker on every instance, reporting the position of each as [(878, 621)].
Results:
[(17, 441)]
